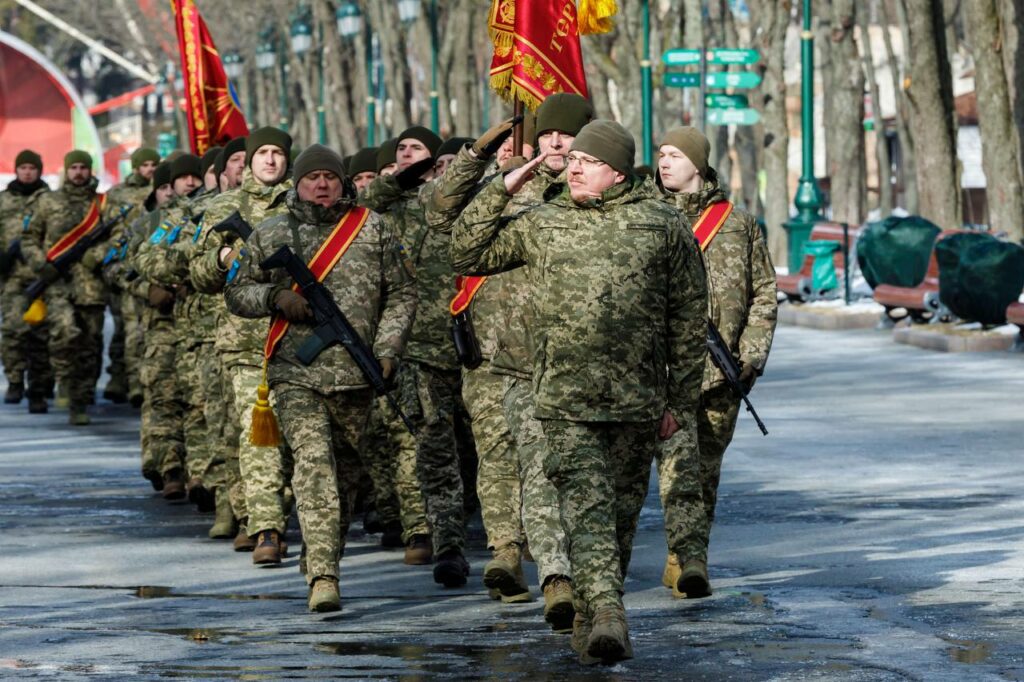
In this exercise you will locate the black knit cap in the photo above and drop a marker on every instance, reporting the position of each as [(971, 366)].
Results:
[(267, 135), (386, 153), (317, 157), (162, 174), (209, 158), (363, 161), (186, 164), (452, 145), (235, 145), (29, 156), (430, 140)]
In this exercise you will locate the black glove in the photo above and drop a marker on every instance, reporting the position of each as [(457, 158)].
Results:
[(293, 306), (488, 144), (748, 375), (159, 297), (411, 177), (49, 273)]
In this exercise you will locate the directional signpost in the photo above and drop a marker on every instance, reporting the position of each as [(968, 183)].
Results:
[(717, 108), (740, 117), (726, 101), (682, 80), (728, 79)]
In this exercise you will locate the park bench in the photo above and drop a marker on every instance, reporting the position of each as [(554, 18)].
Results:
[(1015, 315), (797, 286), (920, 303)]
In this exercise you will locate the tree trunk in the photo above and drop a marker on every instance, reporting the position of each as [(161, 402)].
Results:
[(1012, 13), (998, 144), (932, 114), (694, 37), (885, 203), (823, 66), (908, 165), (847, 165)]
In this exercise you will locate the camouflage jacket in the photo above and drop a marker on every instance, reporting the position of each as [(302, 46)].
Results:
[(54, 215), (619, 294), (741, 281), (240, 338), (16, 206), (133, 192), (405, 212), (369, 284)]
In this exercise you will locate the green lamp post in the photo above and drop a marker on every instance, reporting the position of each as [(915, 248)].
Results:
[(266, 59), (350, 23), (645, 84)]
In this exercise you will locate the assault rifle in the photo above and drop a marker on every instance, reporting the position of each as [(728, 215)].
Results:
[(235, 224), (724, 361), (332, 327), (63, 262)]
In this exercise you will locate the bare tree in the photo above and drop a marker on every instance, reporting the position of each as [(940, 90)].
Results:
[(885, 199)]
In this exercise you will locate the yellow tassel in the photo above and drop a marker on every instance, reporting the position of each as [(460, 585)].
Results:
[(265, 432), (595, 16), (36, 312)]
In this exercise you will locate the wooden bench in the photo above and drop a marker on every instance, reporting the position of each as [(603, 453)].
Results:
[(1015, 315), (920, 303), (797, 286)]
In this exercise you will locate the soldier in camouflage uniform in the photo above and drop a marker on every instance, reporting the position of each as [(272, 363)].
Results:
[(264, 473), (126, 343), (362, 167), (743, 306), (23, 348), (75, 304), (230, 164), (619, 294), (323, 407)]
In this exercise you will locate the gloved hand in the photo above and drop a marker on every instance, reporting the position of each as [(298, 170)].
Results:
[(159, 297), (748, 375), (487, 145), (411, 177), (293, 306), (48, 273)]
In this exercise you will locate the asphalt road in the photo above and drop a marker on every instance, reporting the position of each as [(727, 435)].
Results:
[(876, 534)]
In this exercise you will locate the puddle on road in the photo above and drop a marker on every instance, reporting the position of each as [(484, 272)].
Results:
[(199, 635), (968, 650), (450, 658)]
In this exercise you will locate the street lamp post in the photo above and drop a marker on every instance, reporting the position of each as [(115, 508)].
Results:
[(234, 67), (350, 22), (645, 84), (435, 123), (808, 195), (302, 40), (266, 59)]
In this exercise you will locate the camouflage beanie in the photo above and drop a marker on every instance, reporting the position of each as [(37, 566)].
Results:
[(452, 145), (231, 148), (186, 164), (691, 142), (363, 161), (77, 156), (142, 155), (162, 174), (209, 159), (608, 141), (386, 154), (565, 112), (267, 135), (30, 157), (318, 157), (430, 140)]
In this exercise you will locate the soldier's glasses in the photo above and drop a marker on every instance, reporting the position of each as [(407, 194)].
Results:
[(584, 161)]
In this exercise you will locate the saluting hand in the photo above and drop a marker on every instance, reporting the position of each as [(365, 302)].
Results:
[(518, 178)]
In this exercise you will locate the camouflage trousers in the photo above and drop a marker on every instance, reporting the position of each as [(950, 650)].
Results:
[(323, 431), (265, 473), (437, 460), (24, 349), (541, 516), (76, 347), (115, 351), (163, 438), (679, 484), (131, 313), (497, 481), (200, 446), (716, 423), (601, 471)]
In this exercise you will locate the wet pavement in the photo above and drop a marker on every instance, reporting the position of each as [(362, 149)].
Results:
[(876, 534)]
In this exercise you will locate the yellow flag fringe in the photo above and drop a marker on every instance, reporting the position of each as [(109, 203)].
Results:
[(595, 16)]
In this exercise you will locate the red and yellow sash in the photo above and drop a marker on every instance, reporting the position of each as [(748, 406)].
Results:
[(467, 286), (91, 219), (710, 222), (321, 264)]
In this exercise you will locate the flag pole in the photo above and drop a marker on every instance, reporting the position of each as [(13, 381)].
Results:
[(517, 131)]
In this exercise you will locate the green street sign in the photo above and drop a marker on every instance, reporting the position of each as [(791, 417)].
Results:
[(682, 80), (724, 79), (680, 57), (739, 117), (727, 55), (726, 101)]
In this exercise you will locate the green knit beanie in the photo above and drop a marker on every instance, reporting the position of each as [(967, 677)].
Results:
[(77, 156), (186, 164), (565, 112), (452, 145), (142, 155), (30, 157), (235, 145), (267, 135), (691, 142), (608, 141), (209, 158), (431, 141), (363, 161), (162, 174), (386, 153), (318, 157)]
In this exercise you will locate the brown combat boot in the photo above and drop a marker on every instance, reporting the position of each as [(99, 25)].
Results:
[(558, 609), (581, 627), (670, 576), (37, 405), (268, 549), (324, 595), (505, 573), (608, 642), (693, 580), (174, 484), (419, 551), (243, 543)]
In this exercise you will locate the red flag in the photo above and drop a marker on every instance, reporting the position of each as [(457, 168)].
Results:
[(536, 49), (213, 114)]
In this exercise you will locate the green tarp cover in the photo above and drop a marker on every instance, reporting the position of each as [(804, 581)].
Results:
[(896, 250), (979, 276)]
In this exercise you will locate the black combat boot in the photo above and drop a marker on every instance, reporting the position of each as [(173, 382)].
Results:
[(15, 393)]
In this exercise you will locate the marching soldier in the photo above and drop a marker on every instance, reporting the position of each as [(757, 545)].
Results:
[(362, 167), (230, 164), (619, 294), (743, 306)]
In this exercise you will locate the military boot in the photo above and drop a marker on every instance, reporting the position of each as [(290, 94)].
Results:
[(174, 484), (324, 595), (37, 404), (201, 496), (505, 573), (419, 551), (693, 579), (391, 536), (223, 527), (63, 399), (136, 400), (116, 390), (268, 549), (244, 543), (77, 416), (581, 627), (558, 609), (451, 569), (670, 576), (154, 478), (609, 638), (15, 393)]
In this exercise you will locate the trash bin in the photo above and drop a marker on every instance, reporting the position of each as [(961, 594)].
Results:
[(823, 271)]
